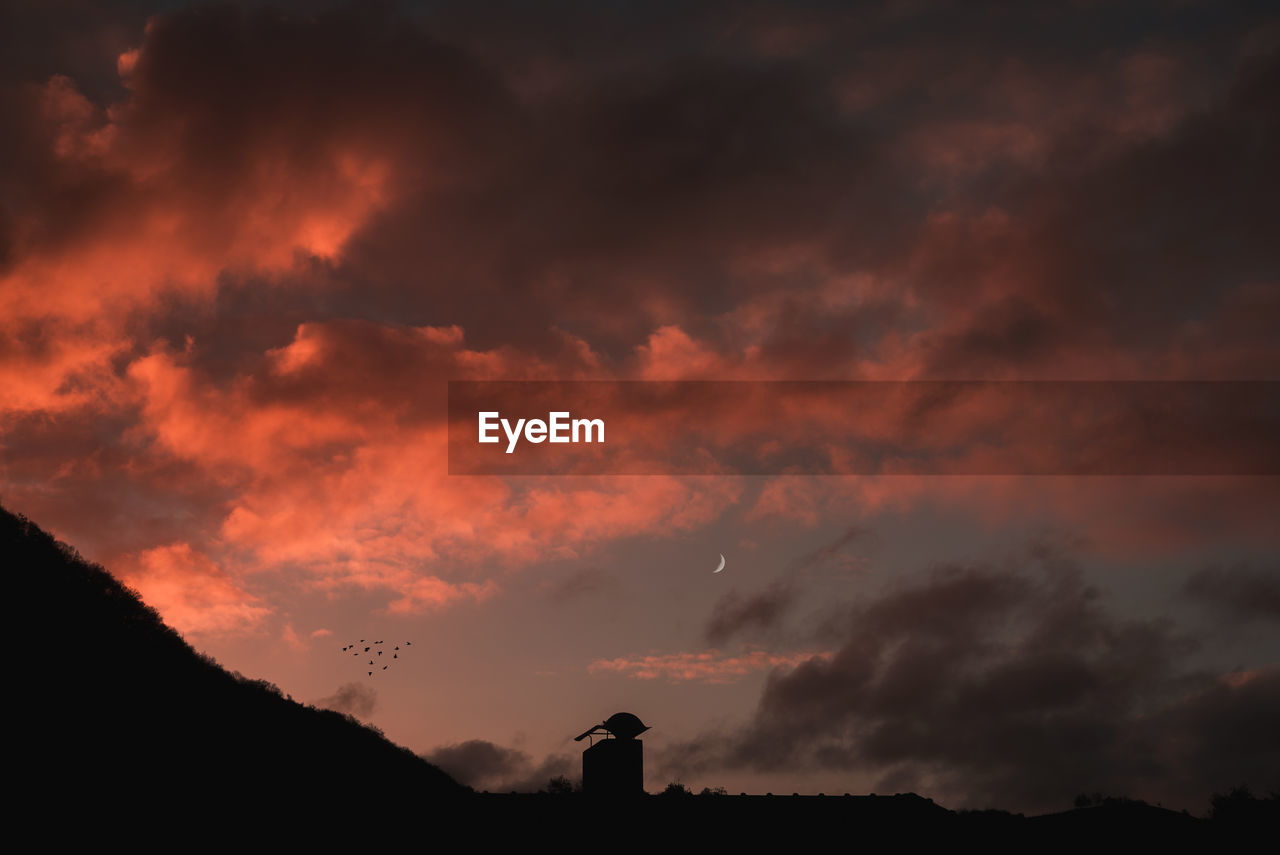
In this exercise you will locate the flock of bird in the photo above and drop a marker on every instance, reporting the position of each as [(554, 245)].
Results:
[(374, 651)]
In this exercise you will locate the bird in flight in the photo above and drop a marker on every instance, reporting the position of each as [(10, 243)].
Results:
[(395, 655)]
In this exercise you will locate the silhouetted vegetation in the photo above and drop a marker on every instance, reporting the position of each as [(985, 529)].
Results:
[(1087, 800), (560, 785), (1239, 806)]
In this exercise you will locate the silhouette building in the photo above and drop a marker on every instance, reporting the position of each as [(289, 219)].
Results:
[(614, 766)]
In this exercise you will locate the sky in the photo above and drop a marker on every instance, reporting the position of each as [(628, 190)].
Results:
[(244, 246)]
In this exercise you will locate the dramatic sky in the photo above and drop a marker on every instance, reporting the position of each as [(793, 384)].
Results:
[(243, 247)]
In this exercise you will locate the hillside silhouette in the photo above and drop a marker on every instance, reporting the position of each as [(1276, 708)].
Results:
[(115, 707)]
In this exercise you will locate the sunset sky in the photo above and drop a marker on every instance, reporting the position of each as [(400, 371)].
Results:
[(244, 247)]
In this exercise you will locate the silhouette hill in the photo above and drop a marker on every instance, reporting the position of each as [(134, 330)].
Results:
[(115, 707)]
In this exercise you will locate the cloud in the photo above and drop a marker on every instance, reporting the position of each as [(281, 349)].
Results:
[(834, 552), (182, 181), (359, 494), (290, 637), (1008, 685), (581, 583), (708, 666), (355, 699), (484, 765), (1239, 590), (734, 614), (193, 594), (757, 614)]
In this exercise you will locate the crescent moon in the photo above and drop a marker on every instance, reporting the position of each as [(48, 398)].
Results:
[(721, 567)]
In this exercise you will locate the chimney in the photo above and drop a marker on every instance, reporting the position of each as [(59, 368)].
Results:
[(614, 766)]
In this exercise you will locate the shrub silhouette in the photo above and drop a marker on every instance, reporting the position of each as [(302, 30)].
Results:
[(1239, 806), (560, 785), (1086, 800)]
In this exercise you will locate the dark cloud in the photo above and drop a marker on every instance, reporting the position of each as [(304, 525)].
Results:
[(667, 173), (646, 186), (1225, 732), (683, 156), (834, 553), (220, 91), (483, 765), (734, 614), (580, 583), (1009, 686), (1122, 248), (80, 38), (355, 699), (1240, 590), (759, 613)]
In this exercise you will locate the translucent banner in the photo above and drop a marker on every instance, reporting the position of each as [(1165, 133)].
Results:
[(864, 428)]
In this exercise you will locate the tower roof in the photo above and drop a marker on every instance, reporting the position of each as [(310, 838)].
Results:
[(620, 725)]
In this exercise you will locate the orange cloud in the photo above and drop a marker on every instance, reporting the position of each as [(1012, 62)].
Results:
[(192, 593), (160, 231), (334, 450), (709, 666)]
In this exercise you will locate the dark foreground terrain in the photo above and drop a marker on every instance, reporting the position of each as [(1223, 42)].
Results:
[(122, 729), (113, 706)]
